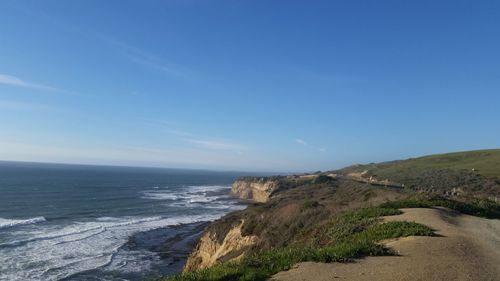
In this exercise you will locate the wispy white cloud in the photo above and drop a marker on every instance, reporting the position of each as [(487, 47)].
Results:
[(212, 143), (18, 82), (310, 146), (162, 124), (218, 144), (16, 150), (182, 133), (301, 141), (152, 61)]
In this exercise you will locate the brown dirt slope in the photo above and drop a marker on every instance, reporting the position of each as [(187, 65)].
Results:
[(468, 249)]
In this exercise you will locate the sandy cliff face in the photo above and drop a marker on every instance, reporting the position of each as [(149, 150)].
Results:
[(258, 190), (223, 240), (278, 222), (211, 250)]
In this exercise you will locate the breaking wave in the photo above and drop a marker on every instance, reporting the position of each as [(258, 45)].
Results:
[(37, 249), (61, 251), (5, 223)]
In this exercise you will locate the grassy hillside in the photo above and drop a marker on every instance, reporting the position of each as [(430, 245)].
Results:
[(337, 218), (474, 173), (341, 237), (485, 162), (344, 237)]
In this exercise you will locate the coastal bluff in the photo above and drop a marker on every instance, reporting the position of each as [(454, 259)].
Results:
[(327, 209), (224, 240), (258, 189), (282, 206)]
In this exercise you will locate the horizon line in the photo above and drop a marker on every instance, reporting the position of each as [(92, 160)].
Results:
[(144, 167)]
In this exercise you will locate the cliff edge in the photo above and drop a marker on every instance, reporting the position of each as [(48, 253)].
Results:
[(329, 212), (291, 205), (216, 246), (225, 240), (256, 189)]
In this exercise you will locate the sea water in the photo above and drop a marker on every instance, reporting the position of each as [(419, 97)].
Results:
[(76, 222)]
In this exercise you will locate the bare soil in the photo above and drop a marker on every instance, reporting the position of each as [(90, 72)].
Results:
[(468, 248)]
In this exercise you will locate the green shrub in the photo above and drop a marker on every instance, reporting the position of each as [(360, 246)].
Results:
[(353, 235), (322, 179), (476, 207), (346, 236), (309, 204)]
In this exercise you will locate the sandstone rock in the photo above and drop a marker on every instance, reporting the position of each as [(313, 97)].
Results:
[(258, 190), (210, 250)]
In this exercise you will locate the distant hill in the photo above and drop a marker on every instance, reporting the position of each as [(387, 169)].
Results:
[(472, 172), (485, 162)]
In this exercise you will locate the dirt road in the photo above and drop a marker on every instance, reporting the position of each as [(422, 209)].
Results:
[(468, 249)]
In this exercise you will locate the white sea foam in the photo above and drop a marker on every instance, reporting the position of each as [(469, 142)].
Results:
[(55, 252), (206, 188), (205, 196), (189, 194), (202, 198), (52, 252), (132, 261), (223, 205), (159, 195), (5, 223), (229, 206)]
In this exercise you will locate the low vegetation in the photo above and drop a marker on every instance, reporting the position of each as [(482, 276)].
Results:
[(344, 237), (333, 219), (476, 207), (483, 162), (279, 222), (471, 173)]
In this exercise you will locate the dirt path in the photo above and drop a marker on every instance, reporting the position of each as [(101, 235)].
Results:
[(469, 249)]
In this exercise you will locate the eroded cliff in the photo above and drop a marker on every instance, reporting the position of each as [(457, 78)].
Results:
[(293, 205), (256, 189), (218, 245)]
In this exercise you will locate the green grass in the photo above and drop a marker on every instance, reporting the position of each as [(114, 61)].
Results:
[(350, 235), (342, 227), (471, 173), (309, 204), (476, 207), (486, 162), (344, 237)]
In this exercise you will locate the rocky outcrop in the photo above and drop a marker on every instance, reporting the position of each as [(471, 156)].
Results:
[(292, 207), (223, 240), (212, 249), (256, 189)]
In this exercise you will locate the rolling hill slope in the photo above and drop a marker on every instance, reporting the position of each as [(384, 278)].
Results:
[(470, 172)]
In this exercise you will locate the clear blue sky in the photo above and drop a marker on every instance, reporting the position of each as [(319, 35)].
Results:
[(247, 85)]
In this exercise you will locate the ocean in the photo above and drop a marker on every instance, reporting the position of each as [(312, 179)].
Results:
[(78, 222)]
